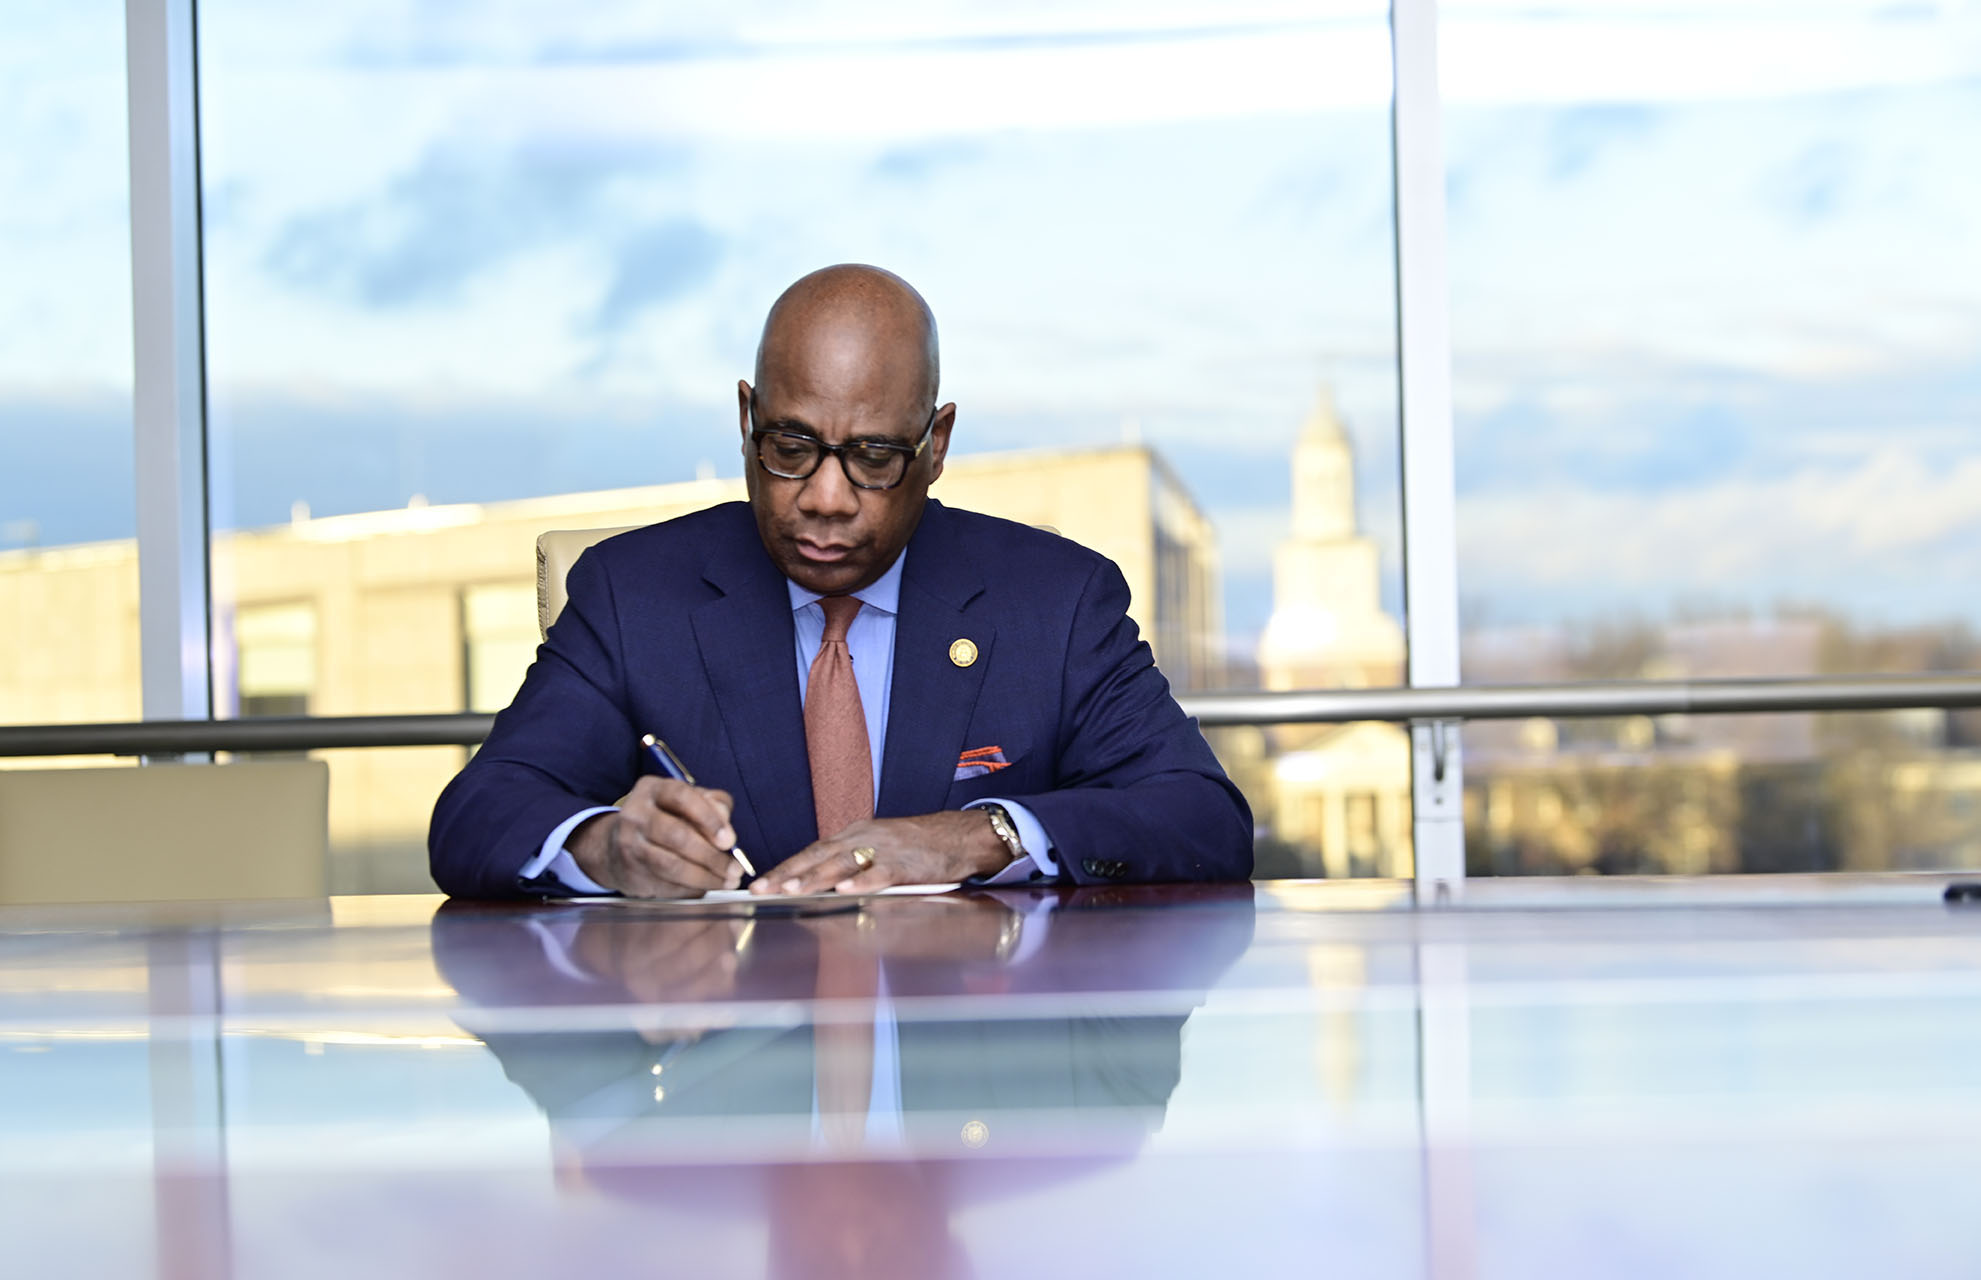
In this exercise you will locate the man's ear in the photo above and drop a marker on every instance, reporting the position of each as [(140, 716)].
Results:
[(945, 421), (743, 394)]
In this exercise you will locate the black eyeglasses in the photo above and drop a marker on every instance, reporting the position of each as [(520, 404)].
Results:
[(868, 464)]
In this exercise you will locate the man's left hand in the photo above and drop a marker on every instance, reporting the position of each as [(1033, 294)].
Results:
[(935, 848)]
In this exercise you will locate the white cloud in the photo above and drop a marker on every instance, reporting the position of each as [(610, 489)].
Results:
[(1637, 53), (65, 294), (1247, 536), (1842, 534), (1178, 212)]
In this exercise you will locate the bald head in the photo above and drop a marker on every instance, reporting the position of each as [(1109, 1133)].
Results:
[(853, 325), (845, 405)]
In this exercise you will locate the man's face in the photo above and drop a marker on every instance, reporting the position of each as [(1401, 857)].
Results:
[(823, 532)]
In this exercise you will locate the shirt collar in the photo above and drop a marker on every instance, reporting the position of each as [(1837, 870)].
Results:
[(884, 594)]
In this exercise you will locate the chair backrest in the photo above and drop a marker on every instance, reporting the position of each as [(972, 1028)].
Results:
[(165, 832), (557, 551)]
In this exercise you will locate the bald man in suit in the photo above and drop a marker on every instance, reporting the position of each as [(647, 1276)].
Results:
[(871, 688)]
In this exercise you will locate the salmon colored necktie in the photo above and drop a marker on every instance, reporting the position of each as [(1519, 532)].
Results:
[(836, 728), (843, 1034)]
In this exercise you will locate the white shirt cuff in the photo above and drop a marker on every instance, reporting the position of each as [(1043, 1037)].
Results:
[(555, 859), (1032, 835)]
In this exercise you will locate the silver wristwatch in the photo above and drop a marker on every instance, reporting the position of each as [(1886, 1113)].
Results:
[(1006, 830)]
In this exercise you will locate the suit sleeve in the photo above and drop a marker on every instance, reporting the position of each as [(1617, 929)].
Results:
[(1138, 795), (563, 745)]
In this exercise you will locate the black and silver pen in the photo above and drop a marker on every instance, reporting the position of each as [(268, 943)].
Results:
[(663, 755)]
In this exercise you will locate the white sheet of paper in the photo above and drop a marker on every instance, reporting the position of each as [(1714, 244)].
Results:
[(744, 895)]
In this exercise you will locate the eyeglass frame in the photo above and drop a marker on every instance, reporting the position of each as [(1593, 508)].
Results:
[(914, 451)]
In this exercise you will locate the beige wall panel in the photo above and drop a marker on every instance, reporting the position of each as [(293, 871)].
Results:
[(386, 793), (1100, 499), (164, 833), (406, 650), (68, 649)]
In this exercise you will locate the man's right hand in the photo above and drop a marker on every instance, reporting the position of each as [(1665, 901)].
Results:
[(668, 840)]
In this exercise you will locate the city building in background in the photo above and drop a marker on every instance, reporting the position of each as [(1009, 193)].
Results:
[(1798, 791), (1340, 790), (433, 608)]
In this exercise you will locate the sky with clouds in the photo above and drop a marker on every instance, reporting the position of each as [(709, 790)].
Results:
[(1716, 297)]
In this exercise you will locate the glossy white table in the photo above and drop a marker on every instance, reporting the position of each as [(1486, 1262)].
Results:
[(1736, 1078)]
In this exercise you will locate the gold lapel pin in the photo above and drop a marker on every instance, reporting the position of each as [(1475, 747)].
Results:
[(963, 653)]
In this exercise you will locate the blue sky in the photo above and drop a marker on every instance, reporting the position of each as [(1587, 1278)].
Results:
[(1716, 299)]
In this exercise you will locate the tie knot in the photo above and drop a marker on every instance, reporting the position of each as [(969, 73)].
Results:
[(839, 611)]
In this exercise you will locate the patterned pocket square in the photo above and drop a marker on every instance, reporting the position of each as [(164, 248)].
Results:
[(977, 763)]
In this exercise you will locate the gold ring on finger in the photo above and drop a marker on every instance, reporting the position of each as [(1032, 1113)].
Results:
[(863, 857)]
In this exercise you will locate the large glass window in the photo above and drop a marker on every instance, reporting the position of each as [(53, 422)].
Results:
[(475, 275), (68, 567), (1716, 304)]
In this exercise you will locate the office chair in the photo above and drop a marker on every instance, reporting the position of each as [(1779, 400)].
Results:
[(557, 551)]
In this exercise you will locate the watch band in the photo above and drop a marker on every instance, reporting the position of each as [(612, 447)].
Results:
[(1007, 831)]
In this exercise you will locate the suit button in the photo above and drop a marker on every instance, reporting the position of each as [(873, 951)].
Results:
[(1093, 867)]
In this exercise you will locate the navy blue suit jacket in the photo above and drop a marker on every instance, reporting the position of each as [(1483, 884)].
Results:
[(684, 629)]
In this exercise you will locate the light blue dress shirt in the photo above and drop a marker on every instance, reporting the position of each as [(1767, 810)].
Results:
[(870, 642)]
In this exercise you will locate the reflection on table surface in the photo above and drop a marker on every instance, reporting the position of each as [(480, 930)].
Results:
[(1720, 1078)]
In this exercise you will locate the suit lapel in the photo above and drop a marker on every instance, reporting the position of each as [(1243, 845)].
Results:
[(933, 699), (748, 649)]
